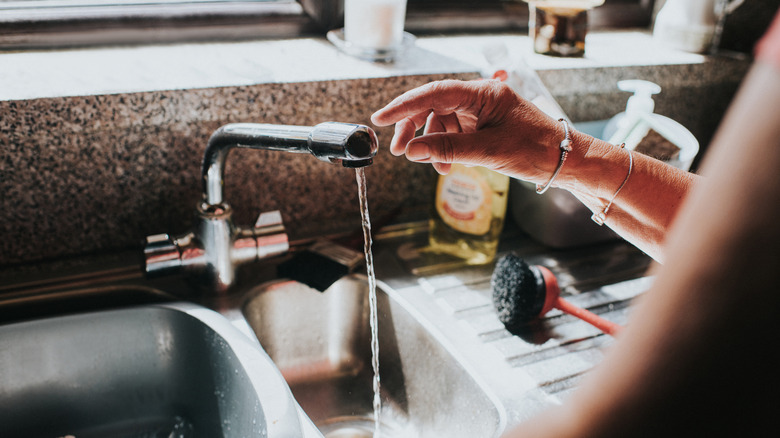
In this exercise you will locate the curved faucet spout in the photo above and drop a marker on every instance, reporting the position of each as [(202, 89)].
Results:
[(212, 251), (352, 145)]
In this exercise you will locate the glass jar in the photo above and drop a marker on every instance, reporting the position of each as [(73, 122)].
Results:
[(558, 27)]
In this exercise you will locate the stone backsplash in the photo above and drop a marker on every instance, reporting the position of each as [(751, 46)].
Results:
[(99, 173)]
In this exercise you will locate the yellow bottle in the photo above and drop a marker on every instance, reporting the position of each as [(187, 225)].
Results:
[(468, 213)]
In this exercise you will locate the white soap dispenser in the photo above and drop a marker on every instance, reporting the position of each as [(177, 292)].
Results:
[(647, 132), (622, 127)]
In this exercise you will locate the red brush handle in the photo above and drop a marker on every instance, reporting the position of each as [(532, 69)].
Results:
[(553, 300), (591, 318)]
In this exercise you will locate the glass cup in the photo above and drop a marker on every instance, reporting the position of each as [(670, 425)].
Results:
[(374, 24)]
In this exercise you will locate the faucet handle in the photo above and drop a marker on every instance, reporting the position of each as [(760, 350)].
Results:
[(268, 219), (266, 239), (270, 236), (161, 254)]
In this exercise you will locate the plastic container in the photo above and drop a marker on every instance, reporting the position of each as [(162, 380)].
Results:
[(468, 215)]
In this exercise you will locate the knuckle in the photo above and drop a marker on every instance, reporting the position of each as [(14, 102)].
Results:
[(447, 149), (437, 87), (497, 91)]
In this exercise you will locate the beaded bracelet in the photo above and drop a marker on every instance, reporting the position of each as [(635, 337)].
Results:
[(600, 217), (565, 147)]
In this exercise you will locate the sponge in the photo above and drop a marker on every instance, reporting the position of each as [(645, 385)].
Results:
[(518, 290)]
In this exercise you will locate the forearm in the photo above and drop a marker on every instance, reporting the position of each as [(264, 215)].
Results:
[(647, 203)]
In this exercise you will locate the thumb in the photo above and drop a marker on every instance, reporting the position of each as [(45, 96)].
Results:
[(446, 148)]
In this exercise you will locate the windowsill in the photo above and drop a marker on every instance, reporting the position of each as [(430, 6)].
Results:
[(98, 71)]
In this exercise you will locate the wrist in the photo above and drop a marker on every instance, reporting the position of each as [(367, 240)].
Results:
[(565, 148), (594, 168)]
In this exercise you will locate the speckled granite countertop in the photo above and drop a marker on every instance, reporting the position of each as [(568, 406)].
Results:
[(102, 147)]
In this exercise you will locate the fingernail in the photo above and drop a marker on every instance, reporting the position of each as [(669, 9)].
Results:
[(418, 151), (395, 148), (377, 118)]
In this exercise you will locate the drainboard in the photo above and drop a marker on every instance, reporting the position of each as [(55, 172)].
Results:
[(321, 344), (540, 364)]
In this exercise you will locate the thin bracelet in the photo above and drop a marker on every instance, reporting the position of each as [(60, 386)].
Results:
[(600, 217), (565, 147)]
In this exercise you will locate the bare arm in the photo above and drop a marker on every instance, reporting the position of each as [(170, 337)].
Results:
[(647, 204), (697, 358), (485, 123)]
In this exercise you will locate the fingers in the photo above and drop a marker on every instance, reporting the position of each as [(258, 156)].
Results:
[(406, 128), (452, 113), (442, 123), (442, 149), (404, 133), (442, 168), (434, 124), (441, 97)]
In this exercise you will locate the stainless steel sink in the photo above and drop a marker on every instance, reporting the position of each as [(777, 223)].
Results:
[(321, 344), (155, 367), (164, 370)]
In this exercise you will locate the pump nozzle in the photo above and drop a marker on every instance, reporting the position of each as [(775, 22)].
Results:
[(619, 128), (642, 100)]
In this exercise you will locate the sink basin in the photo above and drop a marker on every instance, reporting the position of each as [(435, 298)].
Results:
[(163, 370), (321, 344)]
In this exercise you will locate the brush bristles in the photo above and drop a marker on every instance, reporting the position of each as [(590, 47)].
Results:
[(518, 291)]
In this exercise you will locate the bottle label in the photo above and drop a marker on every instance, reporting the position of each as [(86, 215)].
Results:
[(463, 200)]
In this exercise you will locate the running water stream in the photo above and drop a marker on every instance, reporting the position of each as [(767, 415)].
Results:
[(367, 241)]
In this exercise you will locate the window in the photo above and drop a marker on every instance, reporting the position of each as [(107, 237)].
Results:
[(426, 16), (58, 23), (52, 23)]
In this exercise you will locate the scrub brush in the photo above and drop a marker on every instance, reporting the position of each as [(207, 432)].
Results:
[(522, 292)]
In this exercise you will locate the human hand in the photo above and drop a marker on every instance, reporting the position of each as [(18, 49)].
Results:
[(483, 123)]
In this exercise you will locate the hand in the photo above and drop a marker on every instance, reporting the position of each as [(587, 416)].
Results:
[(483, 123)]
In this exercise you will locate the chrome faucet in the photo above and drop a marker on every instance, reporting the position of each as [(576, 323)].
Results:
[(212, 252)]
